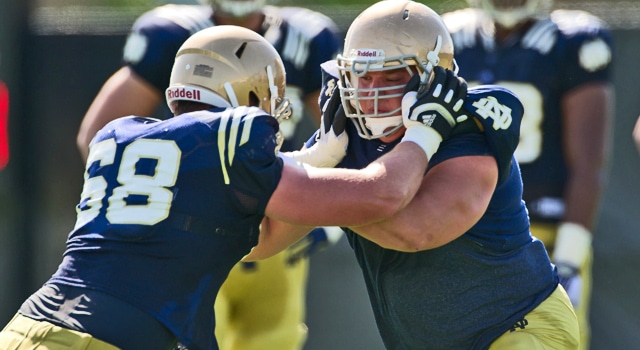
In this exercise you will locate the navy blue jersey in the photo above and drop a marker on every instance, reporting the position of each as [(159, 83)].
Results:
[(468, 292), (555, 55), (168, 208), (303, 38)]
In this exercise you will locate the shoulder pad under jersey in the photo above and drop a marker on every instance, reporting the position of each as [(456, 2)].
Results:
[(464, 26), (571, 22), (157, 35), (306, 21), (500, 112)]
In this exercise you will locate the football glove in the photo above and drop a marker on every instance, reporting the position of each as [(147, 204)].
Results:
[(316, 240), (331, 139), (573, 244), (430, 113)]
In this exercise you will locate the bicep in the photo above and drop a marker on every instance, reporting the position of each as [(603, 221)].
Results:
[(452, 198), (124, 93)]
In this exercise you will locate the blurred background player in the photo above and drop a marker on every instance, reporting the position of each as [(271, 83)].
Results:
[(559, 64), (168, 207), (4, 125), (304, 39), (457, 268)]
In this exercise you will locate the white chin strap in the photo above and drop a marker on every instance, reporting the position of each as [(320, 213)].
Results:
[(432, 56), (273, 90), (232, 94), (377, 126)]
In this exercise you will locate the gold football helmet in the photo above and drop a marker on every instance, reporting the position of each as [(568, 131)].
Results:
[(508, 13), (229, 66), (236, 8), (390, 34)]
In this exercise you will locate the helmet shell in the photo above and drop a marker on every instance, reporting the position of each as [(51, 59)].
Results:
[(228, 66)]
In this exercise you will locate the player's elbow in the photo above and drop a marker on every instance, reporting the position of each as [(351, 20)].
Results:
[(82, 142), (405, 238), (390, 200)]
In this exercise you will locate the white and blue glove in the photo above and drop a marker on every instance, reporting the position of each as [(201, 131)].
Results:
[(331, 141), (431, 112), (573, 244)]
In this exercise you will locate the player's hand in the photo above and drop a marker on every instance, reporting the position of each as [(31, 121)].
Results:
[(316, 240), (571, 249), (571, 282), (436, 106), (331, 140), (333, 116)]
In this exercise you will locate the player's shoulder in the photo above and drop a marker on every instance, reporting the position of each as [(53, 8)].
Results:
[(467, 19), (576, 22), (467, 26), (158, 33), (572, 30), (564, 25), (245, 116), (496, 105), (188, 17), (304, 20), (500, 112), (123, 127), (130, 121)]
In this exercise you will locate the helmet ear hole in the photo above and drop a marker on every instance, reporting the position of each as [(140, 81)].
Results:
[(254, 100), (240, 50)]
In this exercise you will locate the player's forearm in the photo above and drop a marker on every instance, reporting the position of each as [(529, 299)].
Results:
[(275, 236), (636, 134), (581, 205), (348, 197), (587, 114)]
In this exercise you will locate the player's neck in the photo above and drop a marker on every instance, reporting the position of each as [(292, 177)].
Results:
[(504, 35), (251, 21)]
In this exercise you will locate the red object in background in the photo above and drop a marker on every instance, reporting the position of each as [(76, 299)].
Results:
[(4, 125)]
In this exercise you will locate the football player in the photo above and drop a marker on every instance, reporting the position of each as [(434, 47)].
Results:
[(4, 125), (304, 40), (636, 134), (169, 207), (457, 268), (559, 64)]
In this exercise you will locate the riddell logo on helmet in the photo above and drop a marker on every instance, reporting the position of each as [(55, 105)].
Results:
[(368, 54), (184, 93)]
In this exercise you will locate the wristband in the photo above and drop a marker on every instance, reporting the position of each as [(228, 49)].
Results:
[(427, 138), (572, 244), (288, 159)]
